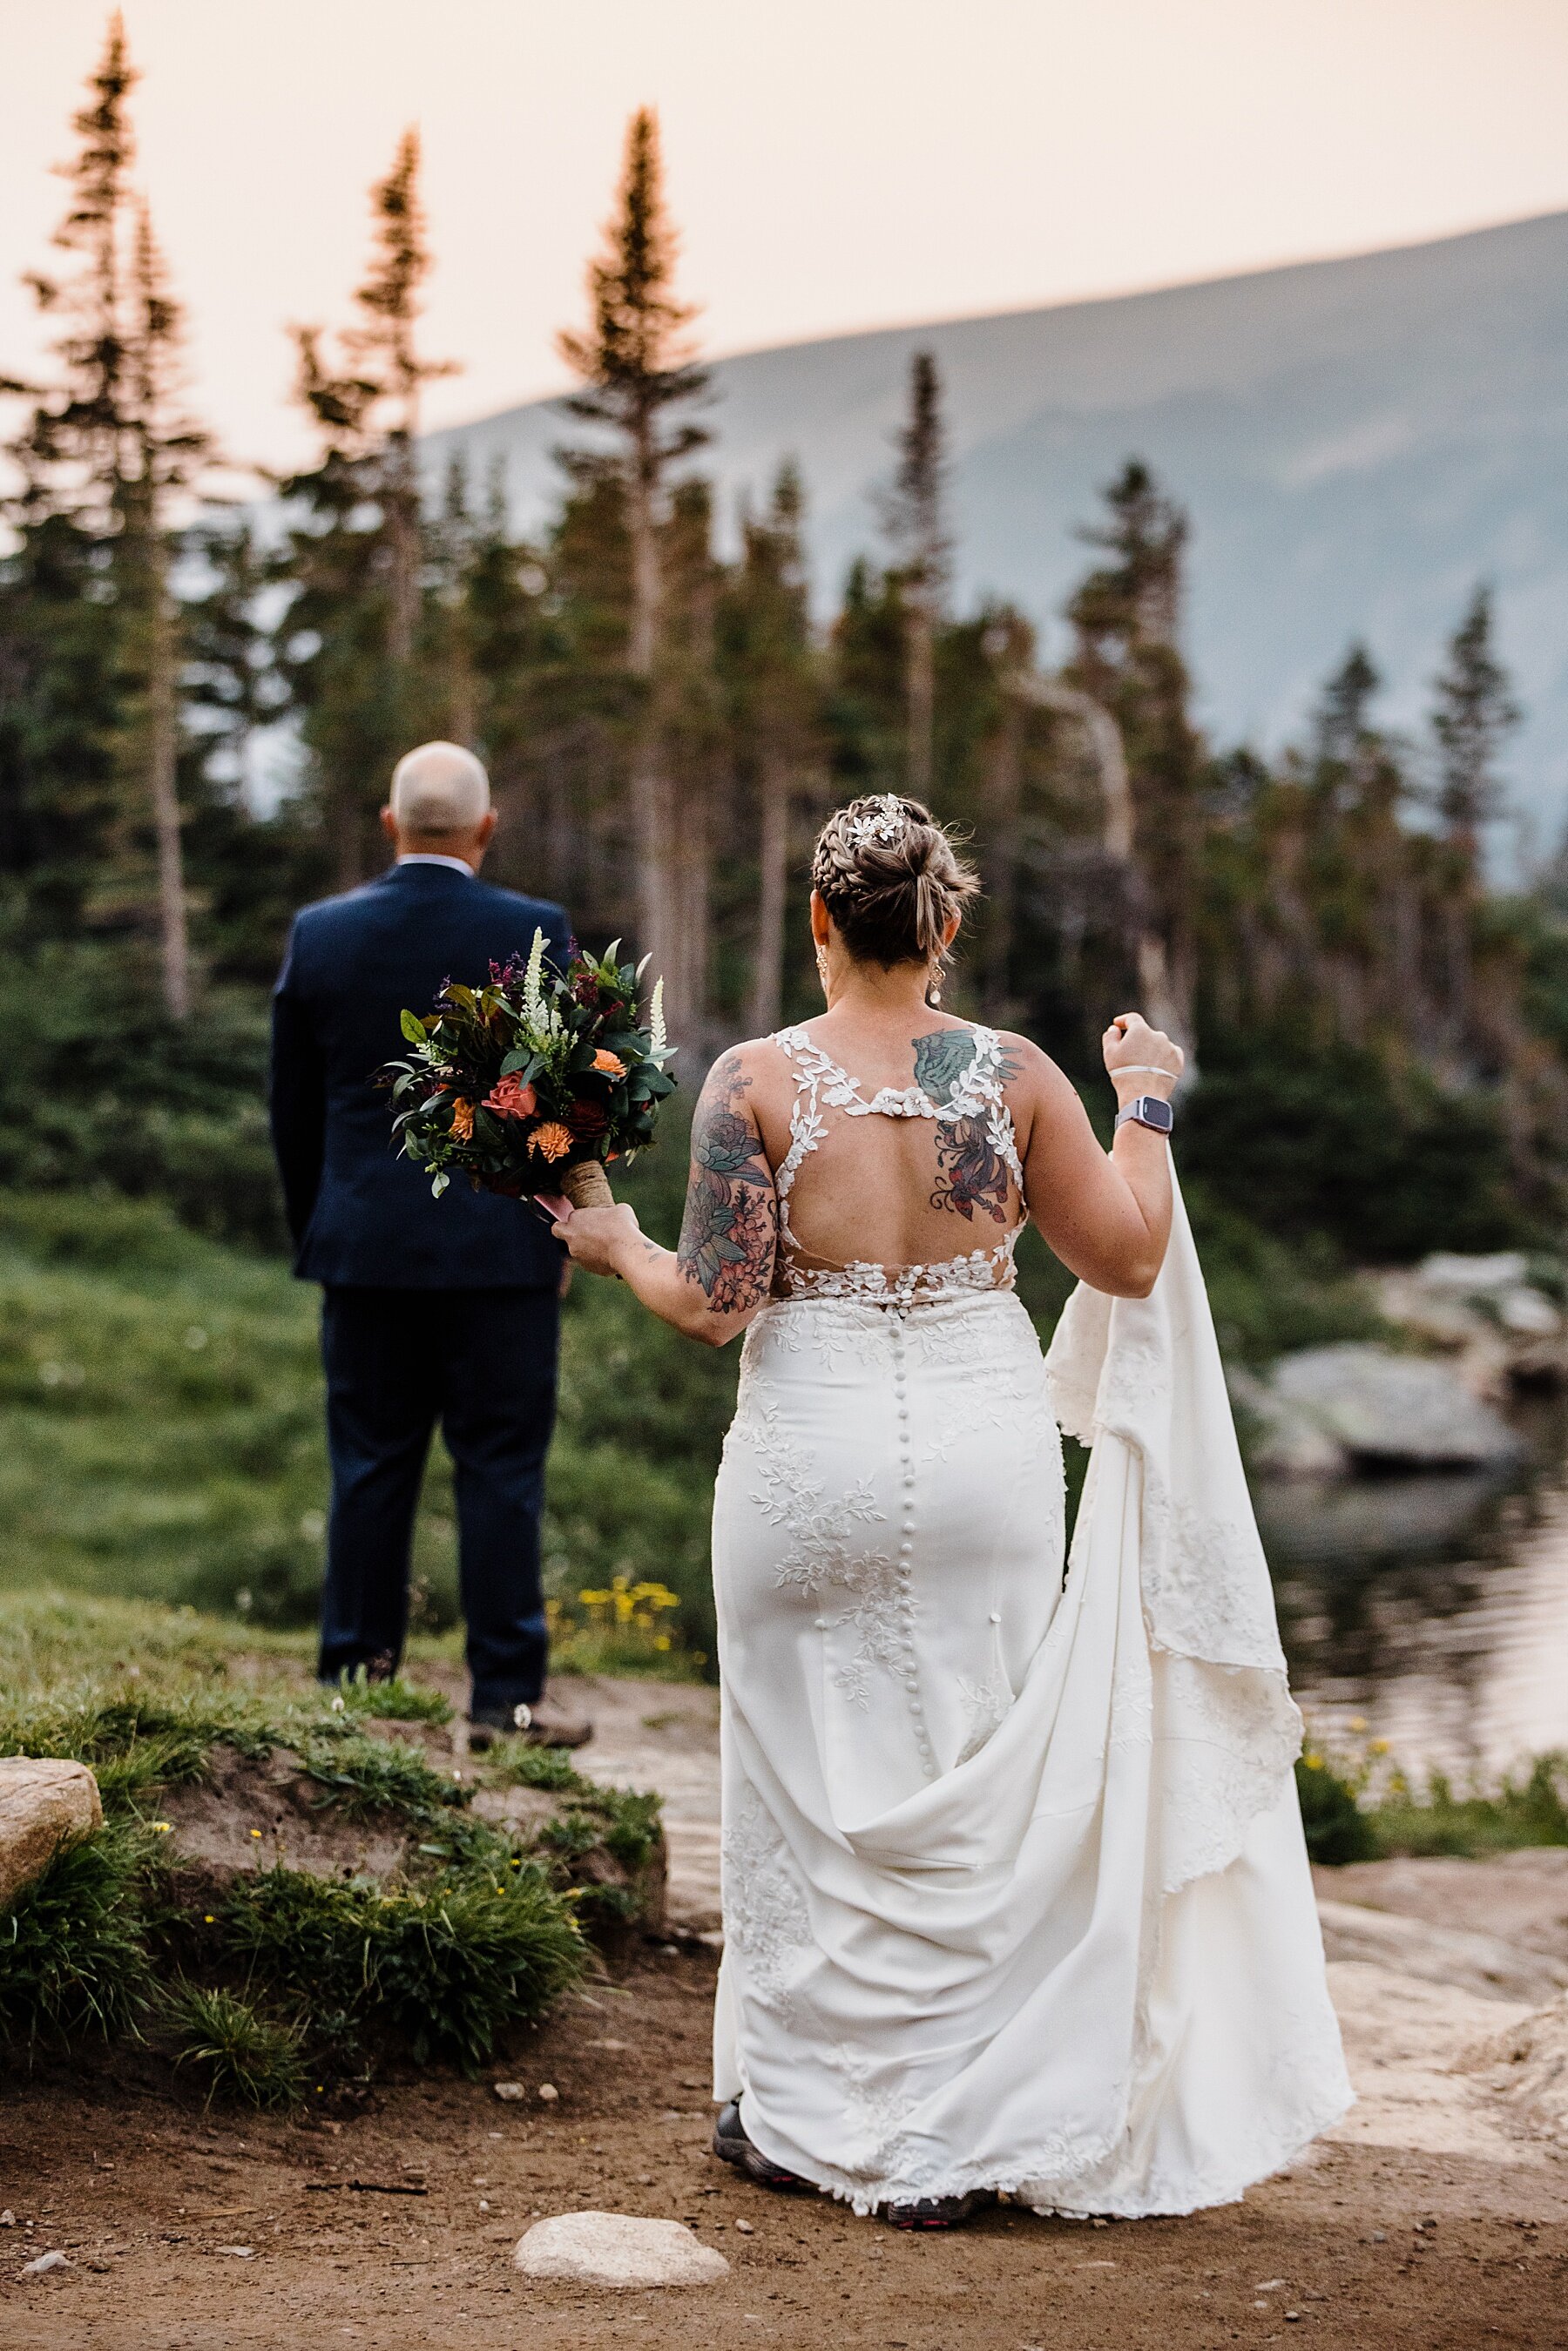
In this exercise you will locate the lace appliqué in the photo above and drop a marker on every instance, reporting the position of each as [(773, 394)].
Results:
[(820, 1081), (823, 1551), (764, 1913), (986, 1706)]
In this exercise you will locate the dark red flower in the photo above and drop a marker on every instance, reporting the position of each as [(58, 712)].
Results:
[(588, 1121)]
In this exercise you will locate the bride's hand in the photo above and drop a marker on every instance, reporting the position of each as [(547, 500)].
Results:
[(598, 1237), (1141, 1060)]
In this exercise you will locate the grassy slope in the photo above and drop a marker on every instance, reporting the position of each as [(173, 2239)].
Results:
[(161, 1395)]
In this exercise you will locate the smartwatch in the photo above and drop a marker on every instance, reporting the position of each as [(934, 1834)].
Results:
[(1148, 1109)]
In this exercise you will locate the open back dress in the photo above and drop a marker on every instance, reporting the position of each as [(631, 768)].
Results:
[(1015, 1891)]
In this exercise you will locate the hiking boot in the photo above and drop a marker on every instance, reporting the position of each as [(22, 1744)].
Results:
[(544, 1723), (932, 2213), (731, 2145)]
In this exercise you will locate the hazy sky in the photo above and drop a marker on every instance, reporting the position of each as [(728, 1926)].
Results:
[(834, 163)]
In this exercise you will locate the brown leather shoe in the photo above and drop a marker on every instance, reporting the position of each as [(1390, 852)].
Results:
[(545, 1723)]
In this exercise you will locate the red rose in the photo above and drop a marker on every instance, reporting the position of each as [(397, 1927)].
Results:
[(588, 1121)]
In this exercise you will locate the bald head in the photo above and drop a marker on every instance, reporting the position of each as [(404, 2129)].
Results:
[(440, 787), (439, 804)]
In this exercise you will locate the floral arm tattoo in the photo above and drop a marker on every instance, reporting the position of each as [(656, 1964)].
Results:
[(973, 1172), (731, 1224)]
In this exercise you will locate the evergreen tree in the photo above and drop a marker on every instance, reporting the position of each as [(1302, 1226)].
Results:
[(60, 625), (1126, 615), (769, 662), (637, 365), (1473, 714), (350, 643), (1341, 727), (170, 453), (102, 458), (916, 526)]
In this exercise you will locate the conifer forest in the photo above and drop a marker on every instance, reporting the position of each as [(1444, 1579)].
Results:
[(668, 705)]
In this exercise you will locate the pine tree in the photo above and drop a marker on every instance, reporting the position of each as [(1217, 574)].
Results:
[(1473, 714), (351, 636), (1127, 616), (637, 365), (770, 664), (170, 452), (92, 623), (1341, 727), (913, 513), (61, 623)]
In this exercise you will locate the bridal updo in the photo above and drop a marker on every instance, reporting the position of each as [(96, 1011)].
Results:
[(891, 879)]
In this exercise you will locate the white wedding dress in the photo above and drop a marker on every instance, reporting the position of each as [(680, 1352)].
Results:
[(1015, 1891)]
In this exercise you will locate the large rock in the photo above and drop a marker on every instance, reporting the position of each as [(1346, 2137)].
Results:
[(615, 2249), (1282, 1440), (1519, 1897), (1482, 1965), (1387, 1407), (1529, 2064), (44, 1804)]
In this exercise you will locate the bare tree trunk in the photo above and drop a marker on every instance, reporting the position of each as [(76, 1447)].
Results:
[(402, 524), (162, 778), (773, 862), (1002, 791), (654, 815), (920, 655), (1167, 997)]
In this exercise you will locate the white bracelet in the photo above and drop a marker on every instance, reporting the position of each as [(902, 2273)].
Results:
[(1142, 1070)]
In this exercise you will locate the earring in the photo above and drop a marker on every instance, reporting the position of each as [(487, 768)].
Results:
[(822, 967), (934, 989)]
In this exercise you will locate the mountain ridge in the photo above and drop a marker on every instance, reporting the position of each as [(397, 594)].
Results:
[(1357, 440)]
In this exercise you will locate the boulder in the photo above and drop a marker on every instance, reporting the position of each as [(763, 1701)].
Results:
[(1387, 1407), (616, 2249), (1529, 2064), (44, 1804), (1482, 1965), (1282, 1440), (1472, 1277)]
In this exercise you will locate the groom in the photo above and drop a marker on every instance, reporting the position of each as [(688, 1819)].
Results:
[(430, 1310)]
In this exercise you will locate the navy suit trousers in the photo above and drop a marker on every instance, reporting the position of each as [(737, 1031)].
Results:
[(483, 1362)]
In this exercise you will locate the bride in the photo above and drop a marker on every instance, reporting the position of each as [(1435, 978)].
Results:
[(1015, 1893)]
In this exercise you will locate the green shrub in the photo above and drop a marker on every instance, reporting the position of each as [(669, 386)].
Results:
[(98, 1088), (245, 2057), (73, 1957), (1532, 1809), (448, 1969), (1337, 1830)]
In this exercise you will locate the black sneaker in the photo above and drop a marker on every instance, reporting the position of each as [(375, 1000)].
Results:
[(731, 2145)]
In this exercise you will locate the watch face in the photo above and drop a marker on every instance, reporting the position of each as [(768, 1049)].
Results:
[(1157, 1113)]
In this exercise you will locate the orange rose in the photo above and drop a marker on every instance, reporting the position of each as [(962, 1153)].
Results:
[(551, 1141), (463, 1121), (610, 1064)]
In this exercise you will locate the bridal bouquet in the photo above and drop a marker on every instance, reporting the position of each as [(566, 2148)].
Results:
[(528, 1085)]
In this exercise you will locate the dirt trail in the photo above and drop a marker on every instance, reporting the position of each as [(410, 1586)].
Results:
[(1431, 2219)]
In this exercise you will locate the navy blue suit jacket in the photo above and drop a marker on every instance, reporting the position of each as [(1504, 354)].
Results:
[(360, 1215)]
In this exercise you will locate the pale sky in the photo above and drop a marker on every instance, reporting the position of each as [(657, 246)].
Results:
[(834, 163)]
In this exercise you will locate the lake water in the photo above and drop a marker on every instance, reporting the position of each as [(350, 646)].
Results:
[(1433, 1609)]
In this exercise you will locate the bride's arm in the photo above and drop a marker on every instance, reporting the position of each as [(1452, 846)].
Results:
[(1108, 1218), (713, 1284)]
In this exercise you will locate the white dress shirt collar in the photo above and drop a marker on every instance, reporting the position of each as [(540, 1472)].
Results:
[(429, 857)]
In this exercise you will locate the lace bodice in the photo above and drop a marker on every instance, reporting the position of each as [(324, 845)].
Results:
[(821, 1087)]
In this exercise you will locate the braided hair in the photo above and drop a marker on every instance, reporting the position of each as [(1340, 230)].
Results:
[(891, 879)]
